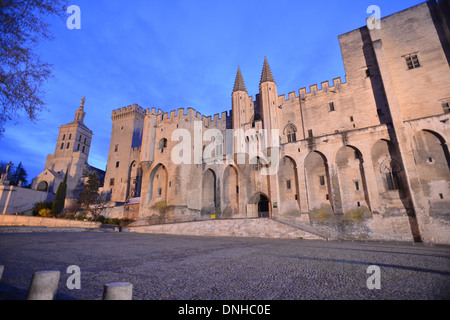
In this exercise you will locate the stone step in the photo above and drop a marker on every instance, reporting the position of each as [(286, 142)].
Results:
[(253, 228)]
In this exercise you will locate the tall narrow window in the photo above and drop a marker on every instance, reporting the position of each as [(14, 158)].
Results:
[(322, 180), (332, 106), (68, 145), (357, 185), (117, 164), (258, 165), (310, 133), (288, 184), (392, 180)]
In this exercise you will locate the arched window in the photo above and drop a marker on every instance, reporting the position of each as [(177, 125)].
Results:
[(391, 169), (162, 144), (291, 133), (42, 186)]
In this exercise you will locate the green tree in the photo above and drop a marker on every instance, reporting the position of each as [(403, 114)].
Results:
[(23, 24), (18, 174), (90, 199), (60, 197)]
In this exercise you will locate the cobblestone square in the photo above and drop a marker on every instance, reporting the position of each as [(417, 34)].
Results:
[(163, 267)]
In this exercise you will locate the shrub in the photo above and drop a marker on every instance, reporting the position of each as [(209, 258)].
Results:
[(46, 213), (161, 206), (111, 221), (41, 205)]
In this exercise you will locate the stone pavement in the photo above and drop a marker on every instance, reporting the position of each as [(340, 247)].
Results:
[(164, 267)]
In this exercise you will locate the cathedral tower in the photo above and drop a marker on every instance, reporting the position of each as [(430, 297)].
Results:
[(71, 157)]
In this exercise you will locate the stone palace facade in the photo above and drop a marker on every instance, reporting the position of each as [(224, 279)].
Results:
[(367, 156), (364, 158)]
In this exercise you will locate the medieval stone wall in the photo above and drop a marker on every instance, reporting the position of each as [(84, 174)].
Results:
[(366, 157)]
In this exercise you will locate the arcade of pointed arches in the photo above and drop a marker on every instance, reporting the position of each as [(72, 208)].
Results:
[(227, 191)]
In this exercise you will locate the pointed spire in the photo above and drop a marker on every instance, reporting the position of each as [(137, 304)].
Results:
[(239, 84), (266, 73)]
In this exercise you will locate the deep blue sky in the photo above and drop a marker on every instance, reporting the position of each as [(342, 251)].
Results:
[(178, 54)]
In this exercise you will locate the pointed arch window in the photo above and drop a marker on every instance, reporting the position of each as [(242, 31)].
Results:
[(391, 170), (291, 133)]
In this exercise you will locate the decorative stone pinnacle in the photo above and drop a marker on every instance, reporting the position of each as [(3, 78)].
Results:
[(239, 84), (266, 75)]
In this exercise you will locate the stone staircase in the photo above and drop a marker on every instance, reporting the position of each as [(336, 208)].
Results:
[(323, 232), (259, 228), (319, 232)]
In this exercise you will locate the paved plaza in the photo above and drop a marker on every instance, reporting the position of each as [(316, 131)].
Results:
[(163, 267)]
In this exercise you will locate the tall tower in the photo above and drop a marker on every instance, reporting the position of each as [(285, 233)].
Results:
[(71, 156), (240, 109), (268, 96), (122, 180), (240, 102), (73, 137)]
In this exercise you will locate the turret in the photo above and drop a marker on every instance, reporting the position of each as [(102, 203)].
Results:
[(268, 99), (241, 112)]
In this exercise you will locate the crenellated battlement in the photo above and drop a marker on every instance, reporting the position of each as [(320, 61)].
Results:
[(303, 93), (325, 88), (188, 114), (126, 112)]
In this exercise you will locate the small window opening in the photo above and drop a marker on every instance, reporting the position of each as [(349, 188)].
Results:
[(322, 180)]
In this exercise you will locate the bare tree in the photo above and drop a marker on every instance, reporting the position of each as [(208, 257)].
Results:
[(23, 25)]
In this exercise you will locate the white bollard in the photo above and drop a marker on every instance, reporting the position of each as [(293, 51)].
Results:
[(118, 291), (1, 272), (43, 285)]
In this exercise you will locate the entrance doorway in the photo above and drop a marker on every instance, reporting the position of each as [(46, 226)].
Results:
[(259, 206), (263, 207)]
